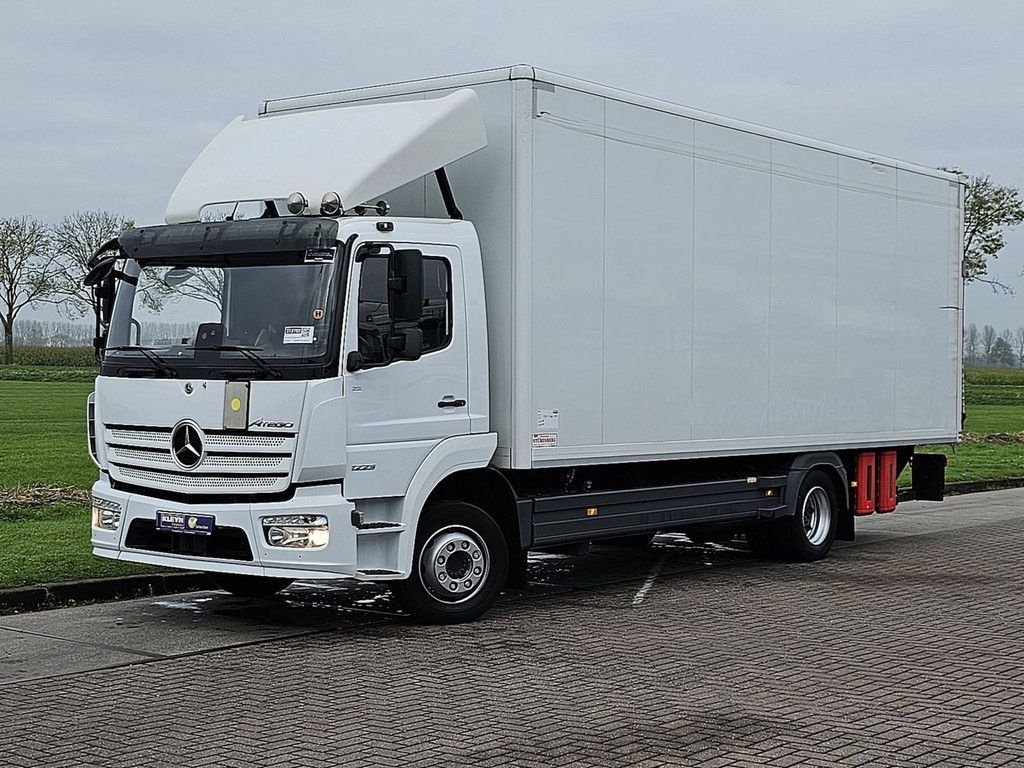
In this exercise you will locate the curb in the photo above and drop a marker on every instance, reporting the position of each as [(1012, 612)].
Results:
[(979, 486), (971, 486), (44, 596)]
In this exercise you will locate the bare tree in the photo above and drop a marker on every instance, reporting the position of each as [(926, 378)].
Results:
[(971, 344), (75, 240), (206, 284), (26, 272), (988, 341), (1018, 344)]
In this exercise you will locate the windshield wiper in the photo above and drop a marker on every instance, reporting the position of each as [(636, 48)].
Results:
[(248, 352), (150, 355)]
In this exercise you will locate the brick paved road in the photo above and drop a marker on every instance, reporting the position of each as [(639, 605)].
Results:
[(905, 649)]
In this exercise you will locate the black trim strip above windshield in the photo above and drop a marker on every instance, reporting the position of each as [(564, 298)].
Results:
[(220, 238)]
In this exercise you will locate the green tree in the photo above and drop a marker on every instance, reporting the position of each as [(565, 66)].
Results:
[(27, 272), (989, 210), (1002, 353)]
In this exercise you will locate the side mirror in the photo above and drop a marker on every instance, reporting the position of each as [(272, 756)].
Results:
[(407, 344), (354, 362), (406, 286)]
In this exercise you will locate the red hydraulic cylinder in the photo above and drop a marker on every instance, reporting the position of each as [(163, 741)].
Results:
[(864, 498), (886, 501)]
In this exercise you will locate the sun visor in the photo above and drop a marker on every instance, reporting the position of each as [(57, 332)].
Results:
[(359, 152)]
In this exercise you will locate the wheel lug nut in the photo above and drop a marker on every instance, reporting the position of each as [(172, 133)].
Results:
[(476, 571), (465, 545), (469, 584)]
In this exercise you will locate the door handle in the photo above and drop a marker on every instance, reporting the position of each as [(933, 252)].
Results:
[(451, 403)]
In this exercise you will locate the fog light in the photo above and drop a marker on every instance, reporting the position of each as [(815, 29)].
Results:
[(105, 514), (297, 531)]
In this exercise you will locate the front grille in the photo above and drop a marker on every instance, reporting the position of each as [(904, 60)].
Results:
[(182, 481), (225, 543), (139, 456), (232, 462)]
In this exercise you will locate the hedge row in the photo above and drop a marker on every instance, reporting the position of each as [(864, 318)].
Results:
[(1013, 377), (45, 373), (56, 357)]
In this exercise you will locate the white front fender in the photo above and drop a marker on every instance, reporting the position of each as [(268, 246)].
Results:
[(451, 455)]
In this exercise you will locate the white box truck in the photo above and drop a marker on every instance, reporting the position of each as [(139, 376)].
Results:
[(510, 310)]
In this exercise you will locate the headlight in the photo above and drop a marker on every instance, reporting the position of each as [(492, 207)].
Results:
[(296, 531), (105, 514)]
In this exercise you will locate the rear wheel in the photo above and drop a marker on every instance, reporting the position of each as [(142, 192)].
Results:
[(808, 534), (459, 566), (249, 586)]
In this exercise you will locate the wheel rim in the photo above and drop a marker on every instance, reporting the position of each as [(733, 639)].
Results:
[(817, 516), (454, 564)]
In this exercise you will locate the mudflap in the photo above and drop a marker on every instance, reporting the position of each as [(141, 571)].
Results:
[(928, 476)]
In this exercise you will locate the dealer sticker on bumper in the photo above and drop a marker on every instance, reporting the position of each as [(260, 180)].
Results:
[(182, 523)]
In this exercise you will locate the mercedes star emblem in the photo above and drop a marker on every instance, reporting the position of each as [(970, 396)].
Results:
[(187, 444)]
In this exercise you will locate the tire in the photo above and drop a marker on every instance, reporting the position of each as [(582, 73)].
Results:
[(249, 586), (459, 540), (808, 533)]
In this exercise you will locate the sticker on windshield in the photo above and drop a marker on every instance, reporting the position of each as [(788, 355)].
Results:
[(298, 334)]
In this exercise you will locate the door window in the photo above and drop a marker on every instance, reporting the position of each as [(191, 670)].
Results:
[(375, 325)]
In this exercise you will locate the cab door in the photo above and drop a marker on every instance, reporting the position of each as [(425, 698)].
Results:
[(400, 408)]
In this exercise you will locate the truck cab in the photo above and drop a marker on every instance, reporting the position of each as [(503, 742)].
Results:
[(317, 361)]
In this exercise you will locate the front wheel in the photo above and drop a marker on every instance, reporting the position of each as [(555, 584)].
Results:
[(459, 566), (249, 586)]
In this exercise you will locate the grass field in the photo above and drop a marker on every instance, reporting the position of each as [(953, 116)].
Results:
[(42, 425), (42, 442), (994, 419), (52, 544)]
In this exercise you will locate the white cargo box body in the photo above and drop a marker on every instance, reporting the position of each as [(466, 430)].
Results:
[(664, 283)]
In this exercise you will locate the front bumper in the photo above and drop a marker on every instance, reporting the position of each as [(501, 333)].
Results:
[(336, 560)]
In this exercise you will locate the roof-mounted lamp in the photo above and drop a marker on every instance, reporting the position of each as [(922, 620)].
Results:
[(297, 203), (330, 205)]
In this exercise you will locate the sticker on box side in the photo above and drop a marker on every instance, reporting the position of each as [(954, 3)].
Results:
[(298, 334), (547, 421), (545, 440)]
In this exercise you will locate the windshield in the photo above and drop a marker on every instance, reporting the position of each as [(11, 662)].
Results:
[(246, 312)]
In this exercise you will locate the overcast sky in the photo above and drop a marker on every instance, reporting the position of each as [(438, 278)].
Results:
[(105, 104)]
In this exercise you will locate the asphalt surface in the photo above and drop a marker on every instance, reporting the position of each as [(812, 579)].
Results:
[(905, 648)]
